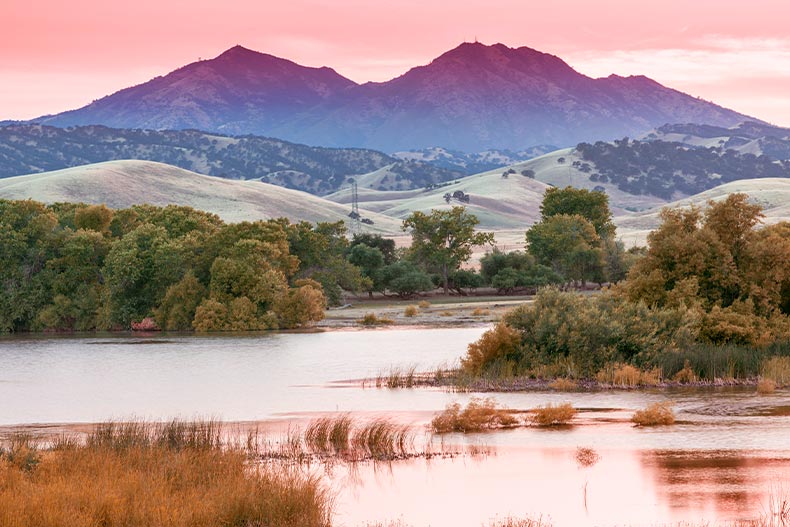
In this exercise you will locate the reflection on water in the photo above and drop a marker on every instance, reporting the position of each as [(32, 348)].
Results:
[(729, 448)]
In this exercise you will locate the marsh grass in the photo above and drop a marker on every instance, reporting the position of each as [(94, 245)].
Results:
[(398, 378), (140, 474), (511, 521), (655, 414), (777, 369), (344, 438), (628, 376), (479, 415), (553, 415), (766, 386), (564, 384)]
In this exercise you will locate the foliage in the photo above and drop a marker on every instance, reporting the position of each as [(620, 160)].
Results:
[(590, 205), (497, 345), (569, 245), (72, 267), (385, 245), (404, 279), (553, 415), (443, 239)]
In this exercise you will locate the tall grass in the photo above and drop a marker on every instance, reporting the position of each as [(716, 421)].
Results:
[(553, 415), (343, 437), (654, 415), (144, 474)]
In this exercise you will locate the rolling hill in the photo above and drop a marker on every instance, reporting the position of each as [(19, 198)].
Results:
[(26, 149), (472, 98), (746, 138), (121, 184)]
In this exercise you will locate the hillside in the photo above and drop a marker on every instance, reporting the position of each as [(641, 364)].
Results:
[(474, 162), (120, 184), (472, 98), (746, 138), (26, 149), (773, 194)]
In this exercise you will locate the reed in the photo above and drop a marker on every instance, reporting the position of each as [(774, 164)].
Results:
[(563, 384), (766, 386)]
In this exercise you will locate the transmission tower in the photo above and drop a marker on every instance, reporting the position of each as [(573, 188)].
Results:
[(354, 215)]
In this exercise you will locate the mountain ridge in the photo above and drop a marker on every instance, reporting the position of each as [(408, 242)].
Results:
[(471, 98)]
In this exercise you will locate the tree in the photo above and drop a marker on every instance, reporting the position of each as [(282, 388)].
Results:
[(370, 261), (385, 245), (405, 279), (569, 245), (443, 239), (591, 205)]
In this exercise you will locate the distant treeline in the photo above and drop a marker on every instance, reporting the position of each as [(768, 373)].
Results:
[(660, 168)]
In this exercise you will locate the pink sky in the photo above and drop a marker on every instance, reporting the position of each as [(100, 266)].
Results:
[(61, 55)]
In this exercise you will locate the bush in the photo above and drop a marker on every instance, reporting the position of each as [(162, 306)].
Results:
[(654, 415), (766, 386), (479, 414), (410, 311), (371, 319), (424, 304), (301, 305), (551, 415), (497, 345)]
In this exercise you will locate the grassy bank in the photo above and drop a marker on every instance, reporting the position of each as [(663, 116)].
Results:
[(140, 474)]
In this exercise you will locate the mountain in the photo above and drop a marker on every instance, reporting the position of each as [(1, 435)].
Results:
[(26, 149), (121, 184), (472, 98), (746, 138)]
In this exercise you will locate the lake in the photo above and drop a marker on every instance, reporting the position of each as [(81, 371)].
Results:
[(728, 454)]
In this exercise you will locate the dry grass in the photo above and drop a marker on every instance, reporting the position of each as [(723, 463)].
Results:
[(479, 415), (446, 314), (142, 474), (480, 312), (563, 384), (629, 376), (424, 304), (371, 319), (686, 375), (766, 386), (410, 311), (654, 415), (342, 437), (778, 369), (397, 378), (553, 415)]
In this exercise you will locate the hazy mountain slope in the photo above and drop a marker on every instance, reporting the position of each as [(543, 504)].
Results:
[(474, 162), (25, 149), (472, 98), (120, 184), (240, 91)]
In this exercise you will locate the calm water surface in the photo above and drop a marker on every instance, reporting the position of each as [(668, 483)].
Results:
[(729, 450)]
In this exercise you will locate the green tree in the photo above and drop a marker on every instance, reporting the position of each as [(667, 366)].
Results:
[(405, 279), (370, 260), (569, 245), (591, 205), (443, 239)]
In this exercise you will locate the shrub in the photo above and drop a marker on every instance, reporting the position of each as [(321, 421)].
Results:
[(686, 375), (766, 386), (553, 415), (371, 319), (498, 344), (480, 312), (655, 414), (410, 311), (210, 315), (479, 414), (301, 305), (424, 304), (446, 314)]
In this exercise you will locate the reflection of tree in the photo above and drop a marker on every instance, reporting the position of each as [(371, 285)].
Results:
[(687, 480)]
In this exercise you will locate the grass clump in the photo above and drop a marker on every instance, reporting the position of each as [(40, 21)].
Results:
[(766, 386), (342, 437), (628, 376), (777, 369), (446, 314), (397, 378), (479, 415), (152, 474), (424, 304), (371, 319), (410, 311), (563, 384), (480, 312), (518, 522), (553, 415), (655, 414)]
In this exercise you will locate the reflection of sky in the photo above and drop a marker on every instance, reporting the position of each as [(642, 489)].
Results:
[(60, 55)]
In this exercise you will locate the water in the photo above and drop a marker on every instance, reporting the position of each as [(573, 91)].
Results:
[(729, 451)]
